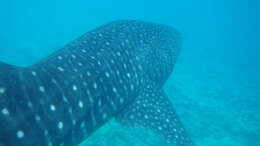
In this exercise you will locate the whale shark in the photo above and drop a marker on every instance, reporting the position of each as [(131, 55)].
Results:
[(115, 71)]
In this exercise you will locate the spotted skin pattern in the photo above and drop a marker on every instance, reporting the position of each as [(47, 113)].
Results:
[(116, 70)]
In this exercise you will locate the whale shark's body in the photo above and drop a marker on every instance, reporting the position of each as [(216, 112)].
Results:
[(117, 70)]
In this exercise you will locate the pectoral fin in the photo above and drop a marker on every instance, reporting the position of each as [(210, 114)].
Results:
[(153, 110)]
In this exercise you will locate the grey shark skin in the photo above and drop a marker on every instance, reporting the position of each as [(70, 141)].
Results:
[(115, 71)]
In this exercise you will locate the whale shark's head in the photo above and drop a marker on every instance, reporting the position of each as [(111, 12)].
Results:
[(158, 48), (154, 46)]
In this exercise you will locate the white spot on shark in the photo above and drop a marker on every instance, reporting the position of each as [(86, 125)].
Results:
[(34, 73), (50, 143), (82, 125), (128, 75), (140, 67), (60, 69), (88, 73), (80, 104), (95, 85), (99, 103), (60, 58), (118, 54), (2, 90), (60, 125), (41, 88), (114, 90), (45, 132), (99, 63), (37, 118), (54, 81), (5, 111), (112, 61), (74, 87), (159, 127), (20, 134), (29, 103), (131, 116), (104, 116), (70, 110), (132, 87), (83, 50), (65, 99), (85, 83), (79, 63), (75, 70), (74, 122), (124, 65), (107, 74), (73, 56), (52, 107), (121, 100)]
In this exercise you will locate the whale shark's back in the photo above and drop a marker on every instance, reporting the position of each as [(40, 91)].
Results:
[(9, 79)]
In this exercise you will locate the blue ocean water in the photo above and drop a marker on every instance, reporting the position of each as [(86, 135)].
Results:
[(215, 86)]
